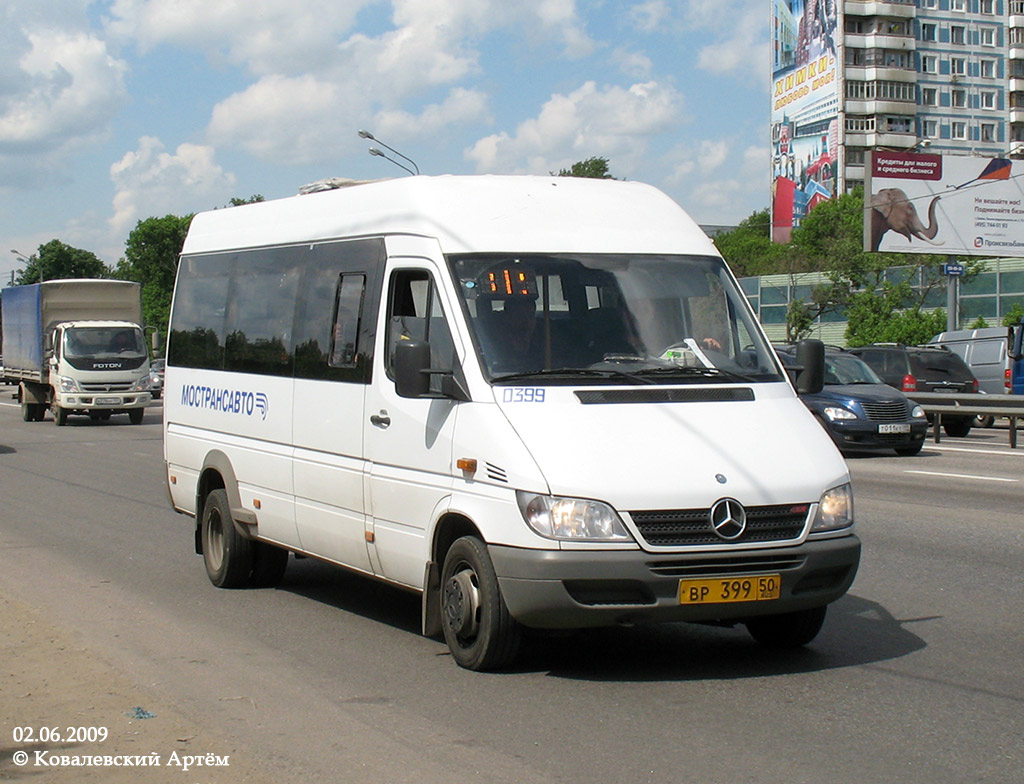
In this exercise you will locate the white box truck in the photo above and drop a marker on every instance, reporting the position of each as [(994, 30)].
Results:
[(538, 402), (75, 347)]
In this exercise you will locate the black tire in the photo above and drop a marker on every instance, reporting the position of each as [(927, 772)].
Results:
[(478, 628), (39, 412), (958, 427), (268, 565), (789, 630), (60, 416), (909, 451), (28, 411), (227, 554), (983, 420), (135, 415)]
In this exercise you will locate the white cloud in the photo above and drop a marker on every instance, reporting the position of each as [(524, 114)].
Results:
[(461, 106), (64, 91), (150, 181), (611, 122), (650, 16), (721, 184)]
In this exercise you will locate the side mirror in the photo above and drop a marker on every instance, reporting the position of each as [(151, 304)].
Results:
[(810, 357), (157, 341), (412, 361)]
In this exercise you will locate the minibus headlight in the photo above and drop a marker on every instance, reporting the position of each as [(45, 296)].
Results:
[(68, 385), (835, 510), (571, 518)]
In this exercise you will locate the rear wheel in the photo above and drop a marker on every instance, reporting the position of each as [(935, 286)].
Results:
[(268, 565), (790, 630), (227, 554), (28, 411), (478, 628)]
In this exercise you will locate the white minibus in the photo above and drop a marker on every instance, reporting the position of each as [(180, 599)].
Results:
[(539, 402)]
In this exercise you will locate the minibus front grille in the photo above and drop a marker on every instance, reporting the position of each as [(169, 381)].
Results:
[(716, 566), (692, 527)]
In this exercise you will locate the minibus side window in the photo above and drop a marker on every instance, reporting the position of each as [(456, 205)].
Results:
[(348, 306), (415, 313)]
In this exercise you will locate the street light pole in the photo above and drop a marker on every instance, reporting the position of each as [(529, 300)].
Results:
[(26, 261), (379, 154)]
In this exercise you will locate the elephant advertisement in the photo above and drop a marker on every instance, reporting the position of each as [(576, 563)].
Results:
[(805, 110), (948, 204)]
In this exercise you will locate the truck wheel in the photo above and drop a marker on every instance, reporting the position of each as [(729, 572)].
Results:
[(60, 416), (28, 411), (789, 630), (135, 415), (228, 555), (478, 628), (39, 412)]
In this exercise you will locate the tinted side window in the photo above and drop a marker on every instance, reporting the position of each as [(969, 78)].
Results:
[(196, 338), (336, 315)]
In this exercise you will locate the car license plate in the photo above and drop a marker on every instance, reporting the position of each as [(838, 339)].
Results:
[(108, 401), (721, 590), (897, 428)]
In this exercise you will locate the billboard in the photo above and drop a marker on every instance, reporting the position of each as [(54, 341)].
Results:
[(949, 204), (805, 110)]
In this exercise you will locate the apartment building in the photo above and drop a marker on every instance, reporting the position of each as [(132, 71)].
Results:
[(942, 76)]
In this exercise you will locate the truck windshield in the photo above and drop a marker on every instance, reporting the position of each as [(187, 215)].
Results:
[(89, 342), (567, 318)]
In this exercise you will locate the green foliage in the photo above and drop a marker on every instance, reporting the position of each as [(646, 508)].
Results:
[(748, 249), (55, 260), (151, 258), (799, 320), (888, 316), (979, 323), (595, 168), (1014, 316), (237, 202)]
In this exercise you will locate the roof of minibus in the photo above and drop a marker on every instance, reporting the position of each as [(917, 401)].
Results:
[(467, 214)]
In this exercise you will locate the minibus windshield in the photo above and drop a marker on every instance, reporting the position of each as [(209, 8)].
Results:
[(604, 318)]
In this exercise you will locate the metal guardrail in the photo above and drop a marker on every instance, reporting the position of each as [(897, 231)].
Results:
[(970, 404)]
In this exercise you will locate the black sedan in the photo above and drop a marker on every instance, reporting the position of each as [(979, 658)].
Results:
[(859, 411)]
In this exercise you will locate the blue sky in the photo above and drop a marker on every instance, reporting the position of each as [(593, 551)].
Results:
[(112, 111)]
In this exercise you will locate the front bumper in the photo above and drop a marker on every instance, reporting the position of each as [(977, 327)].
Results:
[(860, 434), (103, 401), (560, 589)]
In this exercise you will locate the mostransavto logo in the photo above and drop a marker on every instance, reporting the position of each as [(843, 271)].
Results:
[(228, 401)]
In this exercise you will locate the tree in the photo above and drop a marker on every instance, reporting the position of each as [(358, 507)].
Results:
[(595, 168), (1014, 315), (237, 202), (883, 316), (57, 260), (151, 258), (748, 249)]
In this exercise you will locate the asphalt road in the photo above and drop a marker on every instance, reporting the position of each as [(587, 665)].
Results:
[(916, 677)]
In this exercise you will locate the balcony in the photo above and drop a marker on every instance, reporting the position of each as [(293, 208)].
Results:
[(897, 43), (880, 131), (902, 9)]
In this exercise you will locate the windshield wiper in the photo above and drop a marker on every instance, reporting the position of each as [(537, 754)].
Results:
[(571, 373), (691, 371)]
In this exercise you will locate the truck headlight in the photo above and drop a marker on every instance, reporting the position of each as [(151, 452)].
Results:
[(835, 510), (142, 385), (68, 385), (577, 519), (836, 413)]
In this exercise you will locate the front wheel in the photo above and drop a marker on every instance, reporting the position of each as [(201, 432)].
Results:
[(60, 416), (227, 554), (909, 451), (789, 630), (135, 415), (478, 628)]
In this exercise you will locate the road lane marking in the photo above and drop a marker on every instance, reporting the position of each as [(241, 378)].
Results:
[(975, 451), (961, 476)]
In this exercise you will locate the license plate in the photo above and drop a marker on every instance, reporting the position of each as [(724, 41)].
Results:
[(108, 401), (897, 428), (721, 590)]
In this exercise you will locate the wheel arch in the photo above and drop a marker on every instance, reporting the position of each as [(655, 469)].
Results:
[(217, 473), (450, 526)]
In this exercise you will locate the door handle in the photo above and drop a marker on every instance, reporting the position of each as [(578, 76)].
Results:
[(381, 420)]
